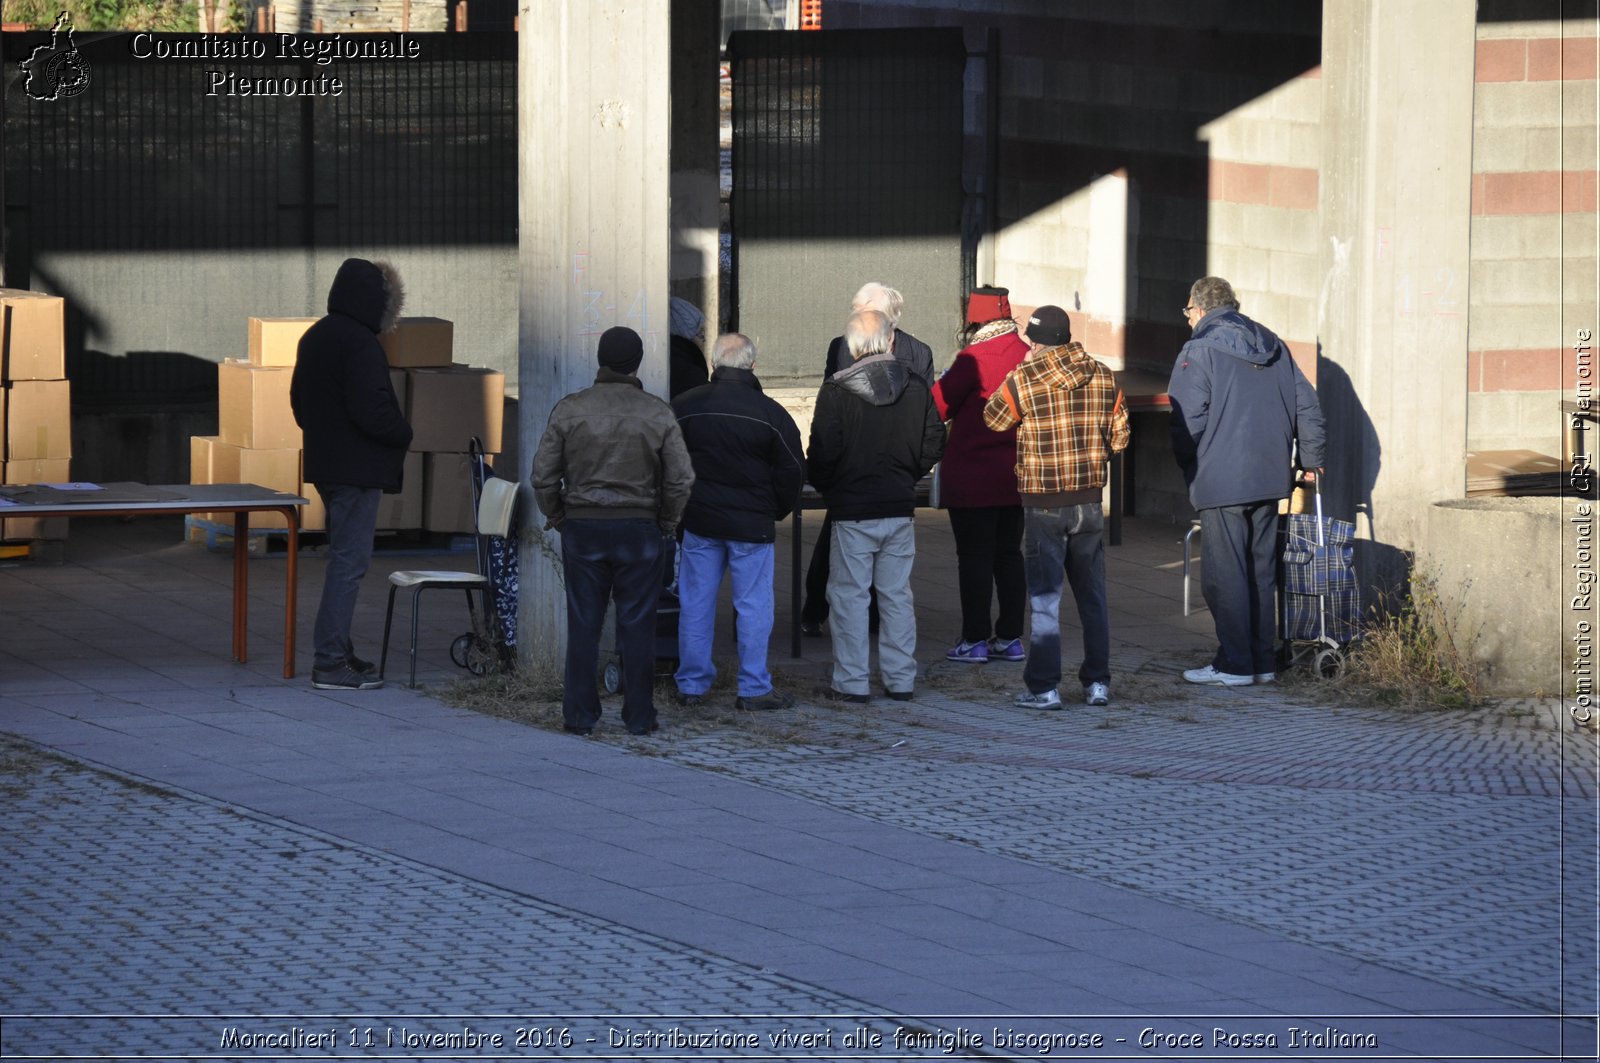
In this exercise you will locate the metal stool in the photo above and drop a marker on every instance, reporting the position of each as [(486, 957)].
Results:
[(1188, 552)]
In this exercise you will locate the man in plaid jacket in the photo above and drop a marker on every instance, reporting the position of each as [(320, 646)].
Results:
[(1070, 419)]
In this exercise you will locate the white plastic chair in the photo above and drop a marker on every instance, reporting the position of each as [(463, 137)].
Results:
[(496, 505)]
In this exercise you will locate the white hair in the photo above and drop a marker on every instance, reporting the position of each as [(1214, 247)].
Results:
[(734, 350), (868, 332), (882, 298)]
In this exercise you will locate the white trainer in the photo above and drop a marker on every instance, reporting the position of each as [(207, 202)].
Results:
[(1045, 699), (1209, 676), (1097, 694), (1263, 678)]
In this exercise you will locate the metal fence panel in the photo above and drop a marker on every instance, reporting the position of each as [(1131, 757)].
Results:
[(847, 163)]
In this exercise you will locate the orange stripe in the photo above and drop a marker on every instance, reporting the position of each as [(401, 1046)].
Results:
[(1294, 187), (1535, 192)]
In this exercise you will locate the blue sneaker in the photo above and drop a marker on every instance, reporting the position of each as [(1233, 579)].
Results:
[(969, 653), (1012, 651)]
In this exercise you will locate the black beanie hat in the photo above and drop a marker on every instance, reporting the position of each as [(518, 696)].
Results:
[(621, 349), (1048, 326)]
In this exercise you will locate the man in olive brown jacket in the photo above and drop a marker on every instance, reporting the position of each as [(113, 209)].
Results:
[(613, 477)]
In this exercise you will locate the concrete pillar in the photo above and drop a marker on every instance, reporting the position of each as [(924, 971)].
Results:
[(1395, 199), (593, 134), (696, 155)]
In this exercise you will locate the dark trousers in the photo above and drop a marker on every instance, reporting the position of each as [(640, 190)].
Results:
[(1066, 540), (352, 518), (989, 564), (815, 608), (1238, 576), (604, 561)]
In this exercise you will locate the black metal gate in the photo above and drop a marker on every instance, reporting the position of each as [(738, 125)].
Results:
[(847, 165)]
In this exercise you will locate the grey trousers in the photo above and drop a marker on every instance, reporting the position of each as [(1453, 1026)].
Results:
[(352, 519), (867, 554)]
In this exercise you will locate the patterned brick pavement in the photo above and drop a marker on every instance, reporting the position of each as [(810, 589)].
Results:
[(125, 898)]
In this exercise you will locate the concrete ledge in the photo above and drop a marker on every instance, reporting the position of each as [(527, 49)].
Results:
[(1497, 566)]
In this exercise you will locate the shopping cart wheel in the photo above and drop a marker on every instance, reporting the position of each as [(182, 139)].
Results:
[(481, 656), (611, 676), (458, 650), (1328, 664)]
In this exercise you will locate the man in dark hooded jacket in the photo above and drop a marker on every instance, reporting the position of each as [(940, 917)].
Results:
[(355, 447), (1240, 406), (875, 432)]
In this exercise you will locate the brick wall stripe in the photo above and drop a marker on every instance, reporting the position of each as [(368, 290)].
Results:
[(1535, 192), (1294, 187), (1544, 369), (1536, 59)]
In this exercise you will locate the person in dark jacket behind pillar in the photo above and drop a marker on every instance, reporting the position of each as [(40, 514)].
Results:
[(612, 476), (355, 441), (1240, 407), (875, 432), (748, 471)]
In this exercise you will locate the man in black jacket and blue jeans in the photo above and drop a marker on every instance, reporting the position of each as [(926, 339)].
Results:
[(1240, 406), (355, 448), (748, 471)]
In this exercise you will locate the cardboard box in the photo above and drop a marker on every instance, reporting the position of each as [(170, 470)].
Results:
[(277, 468), (38, 420), (37, 471), (447, 406), (276, 340), (33, 337), (403, 512), (313, 515), (253, 406), (447, 493), (418, 341)]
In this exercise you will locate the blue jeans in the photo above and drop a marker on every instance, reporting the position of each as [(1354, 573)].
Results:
[(352, 518), (1238, 576), (701, 563), (1066, 540), (605, 560)]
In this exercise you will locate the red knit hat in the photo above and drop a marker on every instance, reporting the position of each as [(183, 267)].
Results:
[(988, 304)]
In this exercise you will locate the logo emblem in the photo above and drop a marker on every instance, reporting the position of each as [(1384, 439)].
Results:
[(56, 71)]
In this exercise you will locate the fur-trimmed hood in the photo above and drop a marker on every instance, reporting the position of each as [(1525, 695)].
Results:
[(368, 292)]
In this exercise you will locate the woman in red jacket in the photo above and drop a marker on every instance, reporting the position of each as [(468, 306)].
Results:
[(978, 484)]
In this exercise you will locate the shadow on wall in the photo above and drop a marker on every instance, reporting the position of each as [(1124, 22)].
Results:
[(1384, 570)]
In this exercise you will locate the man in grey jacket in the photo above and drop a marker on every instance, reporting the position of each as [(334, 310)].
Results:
[(1240, 407), (612, 475)]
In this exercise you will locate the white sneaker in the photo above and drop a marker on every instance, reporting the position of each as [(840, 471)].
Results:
[(1097, 694), (1045, 699), (1263, 678), (1209, 676)]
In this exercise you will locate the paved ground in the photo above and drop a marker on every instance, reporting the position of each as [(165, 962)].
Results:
[(217, 849)]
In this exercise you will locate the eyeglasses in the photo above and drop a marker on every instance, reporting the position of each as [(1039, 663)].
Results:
[(1186, 311)]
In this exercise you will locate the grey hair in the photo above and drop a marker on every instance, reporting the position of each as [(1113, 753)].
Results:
[(733, 350), (882, 298), (868, 332), (1209, 293), (394, 296)]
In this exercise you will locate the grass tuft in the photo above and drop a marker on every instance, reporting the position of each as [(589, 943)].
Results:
[(1411, 655)]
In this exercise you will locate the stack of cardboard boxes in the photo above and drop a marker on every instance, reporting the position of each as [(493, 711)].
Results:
[(447, 404), (36, 406)]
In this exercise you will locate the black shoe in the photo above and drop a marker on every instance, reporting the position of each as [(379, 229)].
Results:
[(772, 699), (642, 731), (851, 699), (574, 729), (343, 677), (900, 695), (364, 667), (689, 701), (811, 630)]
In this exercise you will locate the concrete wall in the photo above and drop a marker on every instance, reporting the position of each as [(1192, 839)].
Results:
[(1533, 275)]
